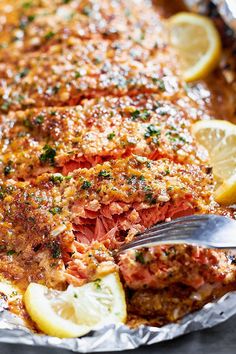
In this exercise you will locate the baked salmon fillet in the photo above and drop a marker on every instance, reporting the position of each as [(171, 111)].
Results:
[(85, 19), (61, 230), (96, 146), (65, 67), (108, 203), (63, 139)]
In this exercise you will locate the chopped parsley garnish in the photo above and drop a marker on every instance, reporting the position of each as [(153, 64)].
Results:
[(27, 123), (86, 11), (39, 119), (160, 83), (11, 252), (66, 1), (49, 35), (55, 249), (174, 137), (55, 210), (135, 114), (139, 257), (104, 174), (97, 283), (24, 21), (77, 74), (27, 4), (14, 293), (53, 90), (5, 106), (7, 169), (167, 171), (23, 73), (144, 115), (149, 198), (86, 185), (134, 179), (31, 18), (68, 178), (111, 136), (152, 130), (142, 36), (48, 155), (56, 179)]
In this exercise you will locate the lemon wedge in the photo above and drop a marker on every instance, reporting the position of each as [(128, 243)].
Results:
[(78, 310), (219, 138), (197, 43)]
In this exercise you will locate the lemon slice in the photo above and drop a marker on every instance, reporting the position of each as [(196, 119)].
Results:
[(219, 138), (197, 42), (78, 310)]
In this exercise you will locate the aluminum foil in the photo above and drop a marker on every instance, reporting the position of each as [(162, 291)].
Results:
[(226, 8), (113, 337)]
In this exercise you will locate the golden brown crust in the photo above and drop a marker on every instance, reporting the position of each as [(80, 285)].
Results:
[(109, 201), (99, 130)]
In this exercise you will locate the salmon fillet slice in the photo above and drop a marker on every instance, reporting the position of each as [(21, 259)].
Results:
[(67, 67), (52, 79), (30, 27), (63, 139), (52, 220), (167, 282), (159, 307), (161, 267)]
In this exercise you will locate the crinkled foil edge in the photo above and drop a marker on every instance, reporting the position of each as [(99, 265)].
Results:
[(226, 8), (115, 338)]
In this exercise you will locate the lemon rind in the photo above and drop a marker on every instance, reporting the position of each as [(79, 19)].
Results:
[(49, 322)]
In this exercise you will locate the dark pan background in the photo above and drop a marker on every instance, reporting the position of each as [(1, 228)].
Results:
[(220, 339)]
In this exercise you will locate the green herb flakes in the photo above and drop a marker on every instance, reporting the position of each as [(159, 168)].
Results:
[(48, 155), (39, 119), (49, 35), (104, 174), (55, 210), (56, 178), (139, 257), (152, 130), (111, 136), (10, 252), (86, 185)]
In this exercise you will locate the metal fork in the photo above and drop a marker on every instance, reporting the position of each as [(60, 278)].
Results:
[(209, 231)]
